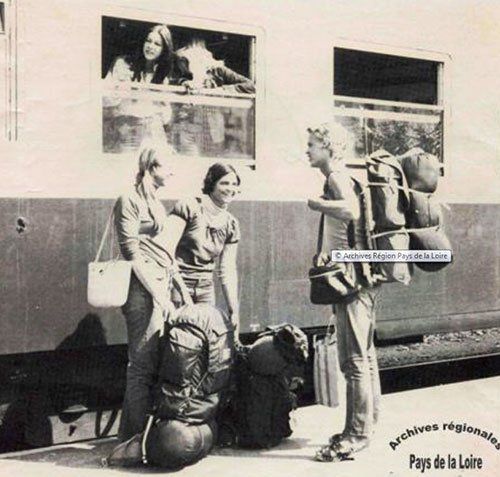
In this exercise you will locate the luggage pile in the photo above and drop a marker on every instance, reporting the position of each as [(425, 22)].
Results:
[(402, 213), (197, 356), (269, 374)]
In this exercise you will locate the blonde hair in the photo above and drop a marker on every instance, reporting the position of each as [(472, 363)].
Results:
[(334, 137), (144, 183)]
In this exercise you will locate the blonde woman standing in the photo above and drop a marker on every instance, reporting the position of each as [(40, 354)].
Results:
[(140, 225)]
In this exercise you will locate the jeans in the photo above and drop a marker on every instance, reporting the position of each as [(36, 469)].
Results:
[(143, 355), (358, 362), (201, 290)]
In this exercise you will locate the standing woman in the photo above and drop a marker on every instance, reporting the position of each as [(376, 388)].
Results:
[(140, 225), (203, 232), (153, 62)]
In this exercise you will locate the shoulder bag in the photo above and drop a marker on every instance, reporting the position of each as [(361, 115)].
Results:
[(331, 282), (108, 282)]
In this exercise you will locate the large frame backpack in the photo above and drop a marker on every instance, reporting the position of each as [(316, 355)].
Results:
[(197, 357)]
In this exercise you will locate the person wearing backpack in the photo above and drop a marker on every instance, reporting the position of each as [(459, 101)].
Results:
[(328, 148)]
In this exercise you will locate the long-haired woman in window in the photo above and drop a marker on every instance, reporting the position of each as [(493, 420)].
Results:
[(140, 224), (153, 62), (203, 232)]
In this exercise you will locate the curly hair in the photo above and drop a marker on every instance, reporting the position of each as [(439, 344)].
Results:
[(333, 137)]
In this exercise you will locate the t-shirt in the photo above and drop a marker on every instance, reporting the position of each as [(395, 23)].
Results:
[(339, 234), (204, 237), (135, 229)]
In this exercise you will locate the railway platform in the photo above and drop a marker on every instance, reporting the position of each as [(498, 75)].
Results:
[(447, 430)]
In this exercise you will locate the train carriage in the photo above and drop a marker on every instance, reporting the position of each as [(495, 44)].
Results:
[(397, 74)]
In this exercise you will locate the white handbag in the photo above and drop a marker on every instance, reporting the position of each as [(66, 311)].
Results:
[(108, 282), (326, 368)]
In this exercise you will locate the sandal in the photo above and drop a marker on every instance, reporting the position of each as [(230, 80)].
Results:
[(332, 453), (335, 438)]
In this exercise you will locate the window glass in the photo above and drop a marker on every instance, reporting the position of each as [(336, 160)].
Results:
[(193, 88)]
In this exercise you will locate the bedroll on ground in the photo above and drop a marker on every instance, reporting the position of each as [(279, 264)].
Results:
[(175, 444)]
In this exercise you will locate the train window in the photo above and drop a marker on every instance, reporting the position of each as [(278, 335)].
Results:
[(390, 101), (192, 87)]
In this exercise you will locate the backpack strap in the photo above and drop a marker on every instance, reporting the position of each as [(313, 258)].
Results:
[(104, 235), (365, 269)]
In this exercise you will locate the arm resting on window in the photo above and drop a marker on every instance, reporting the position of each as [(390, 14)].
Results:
[(232, 81)]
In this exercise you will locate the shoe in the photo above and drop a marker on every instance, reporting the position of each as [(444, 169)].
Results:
[(335, 438), (341, 448), (331, 454)]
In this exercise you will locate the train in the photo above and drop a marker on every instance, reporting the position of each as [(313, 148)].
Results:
[(397, 74)]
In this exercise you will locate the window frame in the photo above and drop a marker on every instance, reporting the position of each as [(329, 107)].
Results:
[(443, 89), (256, 72), (8, 43)]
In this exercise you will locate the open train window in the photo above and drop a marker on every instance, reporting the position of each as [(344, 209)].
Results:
[(390, 100), (189, 85)]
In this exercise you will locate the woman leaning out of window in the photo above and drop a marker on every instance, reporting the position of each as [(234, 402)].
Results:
[(154, 61)]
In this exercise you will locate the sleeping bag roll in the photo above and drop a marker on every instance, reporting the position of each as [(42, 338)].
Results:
[(175, 444), (424, 211), (421, 169), (430, 239)]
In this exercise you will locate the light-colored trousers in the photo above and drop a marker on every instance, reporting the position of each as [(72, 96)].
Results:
[(358, 362)]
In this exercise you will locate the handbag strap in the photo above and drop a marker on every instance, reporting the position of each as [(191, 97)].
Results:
[(330, 324), (320, 233), (104, 235), (145, 436)]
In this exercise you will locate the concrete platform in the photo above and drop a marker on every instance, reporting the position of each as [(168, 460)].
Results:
[(472, 406)]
